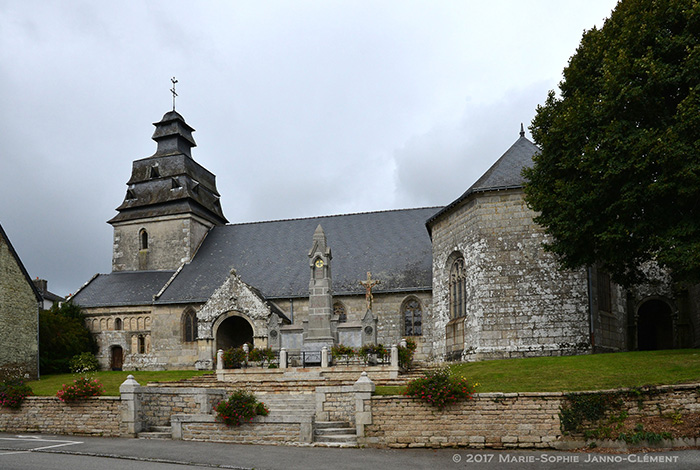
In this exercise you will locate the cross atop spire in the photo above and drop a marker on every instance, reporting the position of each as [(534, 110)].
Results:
[(172, 90)]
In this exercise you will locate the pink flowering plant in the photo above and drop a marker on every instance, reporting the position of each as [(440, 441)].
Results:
[(241, 407), (440, 388), (82, 387), (13, 392)]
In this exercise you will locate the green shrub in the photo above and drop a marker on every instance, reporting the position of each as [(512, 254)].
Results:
[(440, 388), (241, 407), (262, 356), (84, 362), (82, 387), (234, 358), (341, 352), (406, 354), (377, 350), (13, 393)]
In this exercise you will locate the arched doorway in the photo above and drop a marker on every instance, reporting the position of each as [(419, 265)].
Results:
[(233, 332), (654, 326), (117, 358)]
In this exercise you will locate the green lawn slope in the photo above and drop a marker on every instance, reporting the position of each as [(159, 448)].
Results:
[(576, 373)]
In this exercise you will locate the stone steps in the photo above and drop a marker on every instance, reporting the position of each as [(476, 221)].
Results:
[(334, 434), (156, 432)]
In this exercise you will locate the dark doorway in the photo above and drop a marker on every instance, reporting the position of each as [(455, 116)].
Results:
[(117, 358), (654, 326), (233, 332)]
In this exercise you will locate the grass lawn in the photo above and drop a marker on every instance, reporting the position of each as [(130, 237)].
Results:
[(574, 373), (48, 385)]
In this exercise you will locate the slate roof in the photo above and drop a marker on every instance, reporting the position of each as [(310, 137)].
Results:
[(506, 173), (273, 256), (121, 288)]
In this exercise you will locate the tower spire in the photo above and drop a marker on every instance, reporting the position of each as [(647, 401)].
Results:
[(522, 130)]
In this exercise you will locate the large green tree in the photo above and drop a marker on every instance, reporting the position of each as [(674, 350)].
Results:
[(62, 335), (618, 179)]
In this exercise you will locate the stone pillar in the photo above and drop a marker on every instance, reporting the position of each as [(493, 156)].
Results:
[(324, 357), (394, 356), (131, 422), (220, 360), (364, 388), (283, 358)]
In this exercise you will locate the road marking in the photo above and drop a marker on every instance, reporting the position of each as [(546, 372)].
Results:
[(37, 439)]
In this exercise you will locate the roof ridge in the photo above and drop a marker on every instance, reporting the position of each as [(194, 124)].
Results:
[(333, 215)]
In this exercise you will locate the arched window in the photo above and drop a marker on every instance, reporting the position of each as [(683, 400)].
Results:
[(413, 317), (458, 289), (189, 326), (118, 324), (143, 237), (339, 311)]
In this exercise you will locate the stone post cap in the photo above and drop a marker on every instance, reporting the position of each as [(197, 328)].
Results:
[(364, 383), (246, 349), (129, 384), (403, 343)]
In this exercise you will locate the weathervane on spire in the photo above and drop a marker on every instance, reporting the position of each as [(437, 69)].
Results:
[(172, 90)]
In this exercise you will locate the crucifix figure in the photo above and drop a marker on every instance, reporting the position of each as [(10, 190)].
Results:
[(368, 284), (172, 90)]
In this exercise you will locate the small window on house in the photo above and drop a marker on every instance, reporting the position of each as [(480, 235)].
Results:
[(413, 317), (339, 312), (458, 289), (118, 324), (189, 326), (130, 196), (175, 184), (195, 187), (154, 173), (603, 286), (143, 236), (142, 344)]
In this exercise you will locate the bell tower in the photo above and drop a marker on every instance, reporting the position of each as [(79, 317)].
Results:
[(171, 203)]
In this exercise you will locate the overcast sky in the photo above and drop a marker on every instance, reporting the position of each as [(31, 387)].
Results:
[(301, 108)]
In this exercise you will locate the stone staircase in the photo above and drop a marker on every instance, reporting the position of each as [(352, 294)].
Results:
[(292, 396), (335, 434), (156, 432)]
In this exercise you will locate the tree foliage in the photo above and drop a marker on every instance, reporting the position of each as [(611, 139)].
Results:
[(62, 335), (618, 179)]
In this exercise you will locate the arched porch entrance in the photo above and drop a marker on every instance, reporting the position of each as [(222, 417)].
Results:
[(654, 326), (233, 332)]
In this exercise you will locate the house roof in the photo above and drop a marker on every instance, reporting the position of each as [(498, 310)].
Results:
[(273, 256), (506, 173), (121, 288), (14, 254)]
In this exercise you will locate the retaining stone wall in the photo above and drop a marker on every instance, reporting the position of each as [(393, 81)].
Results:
[(100, 416), (335, 404), (494, 420), (158, 404)]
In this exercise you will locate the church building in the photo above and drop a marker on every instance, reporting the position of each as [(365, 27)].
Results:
[(467, 281)]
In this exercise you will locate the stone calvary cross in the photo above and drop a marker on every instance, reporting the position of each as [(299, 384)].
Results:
[(368, 284)]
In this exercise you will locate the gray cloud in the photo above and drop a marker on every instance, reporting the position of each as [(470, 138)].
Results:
[(301, 108)]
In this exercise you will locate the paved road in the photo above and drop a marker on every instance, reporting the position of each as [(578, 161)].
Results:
[(40, 451)]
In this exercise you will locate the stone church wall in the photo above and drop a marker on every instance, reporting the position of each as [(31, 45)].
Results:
[(171, 351), (18, 318), (172, 240), (518, 301)]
